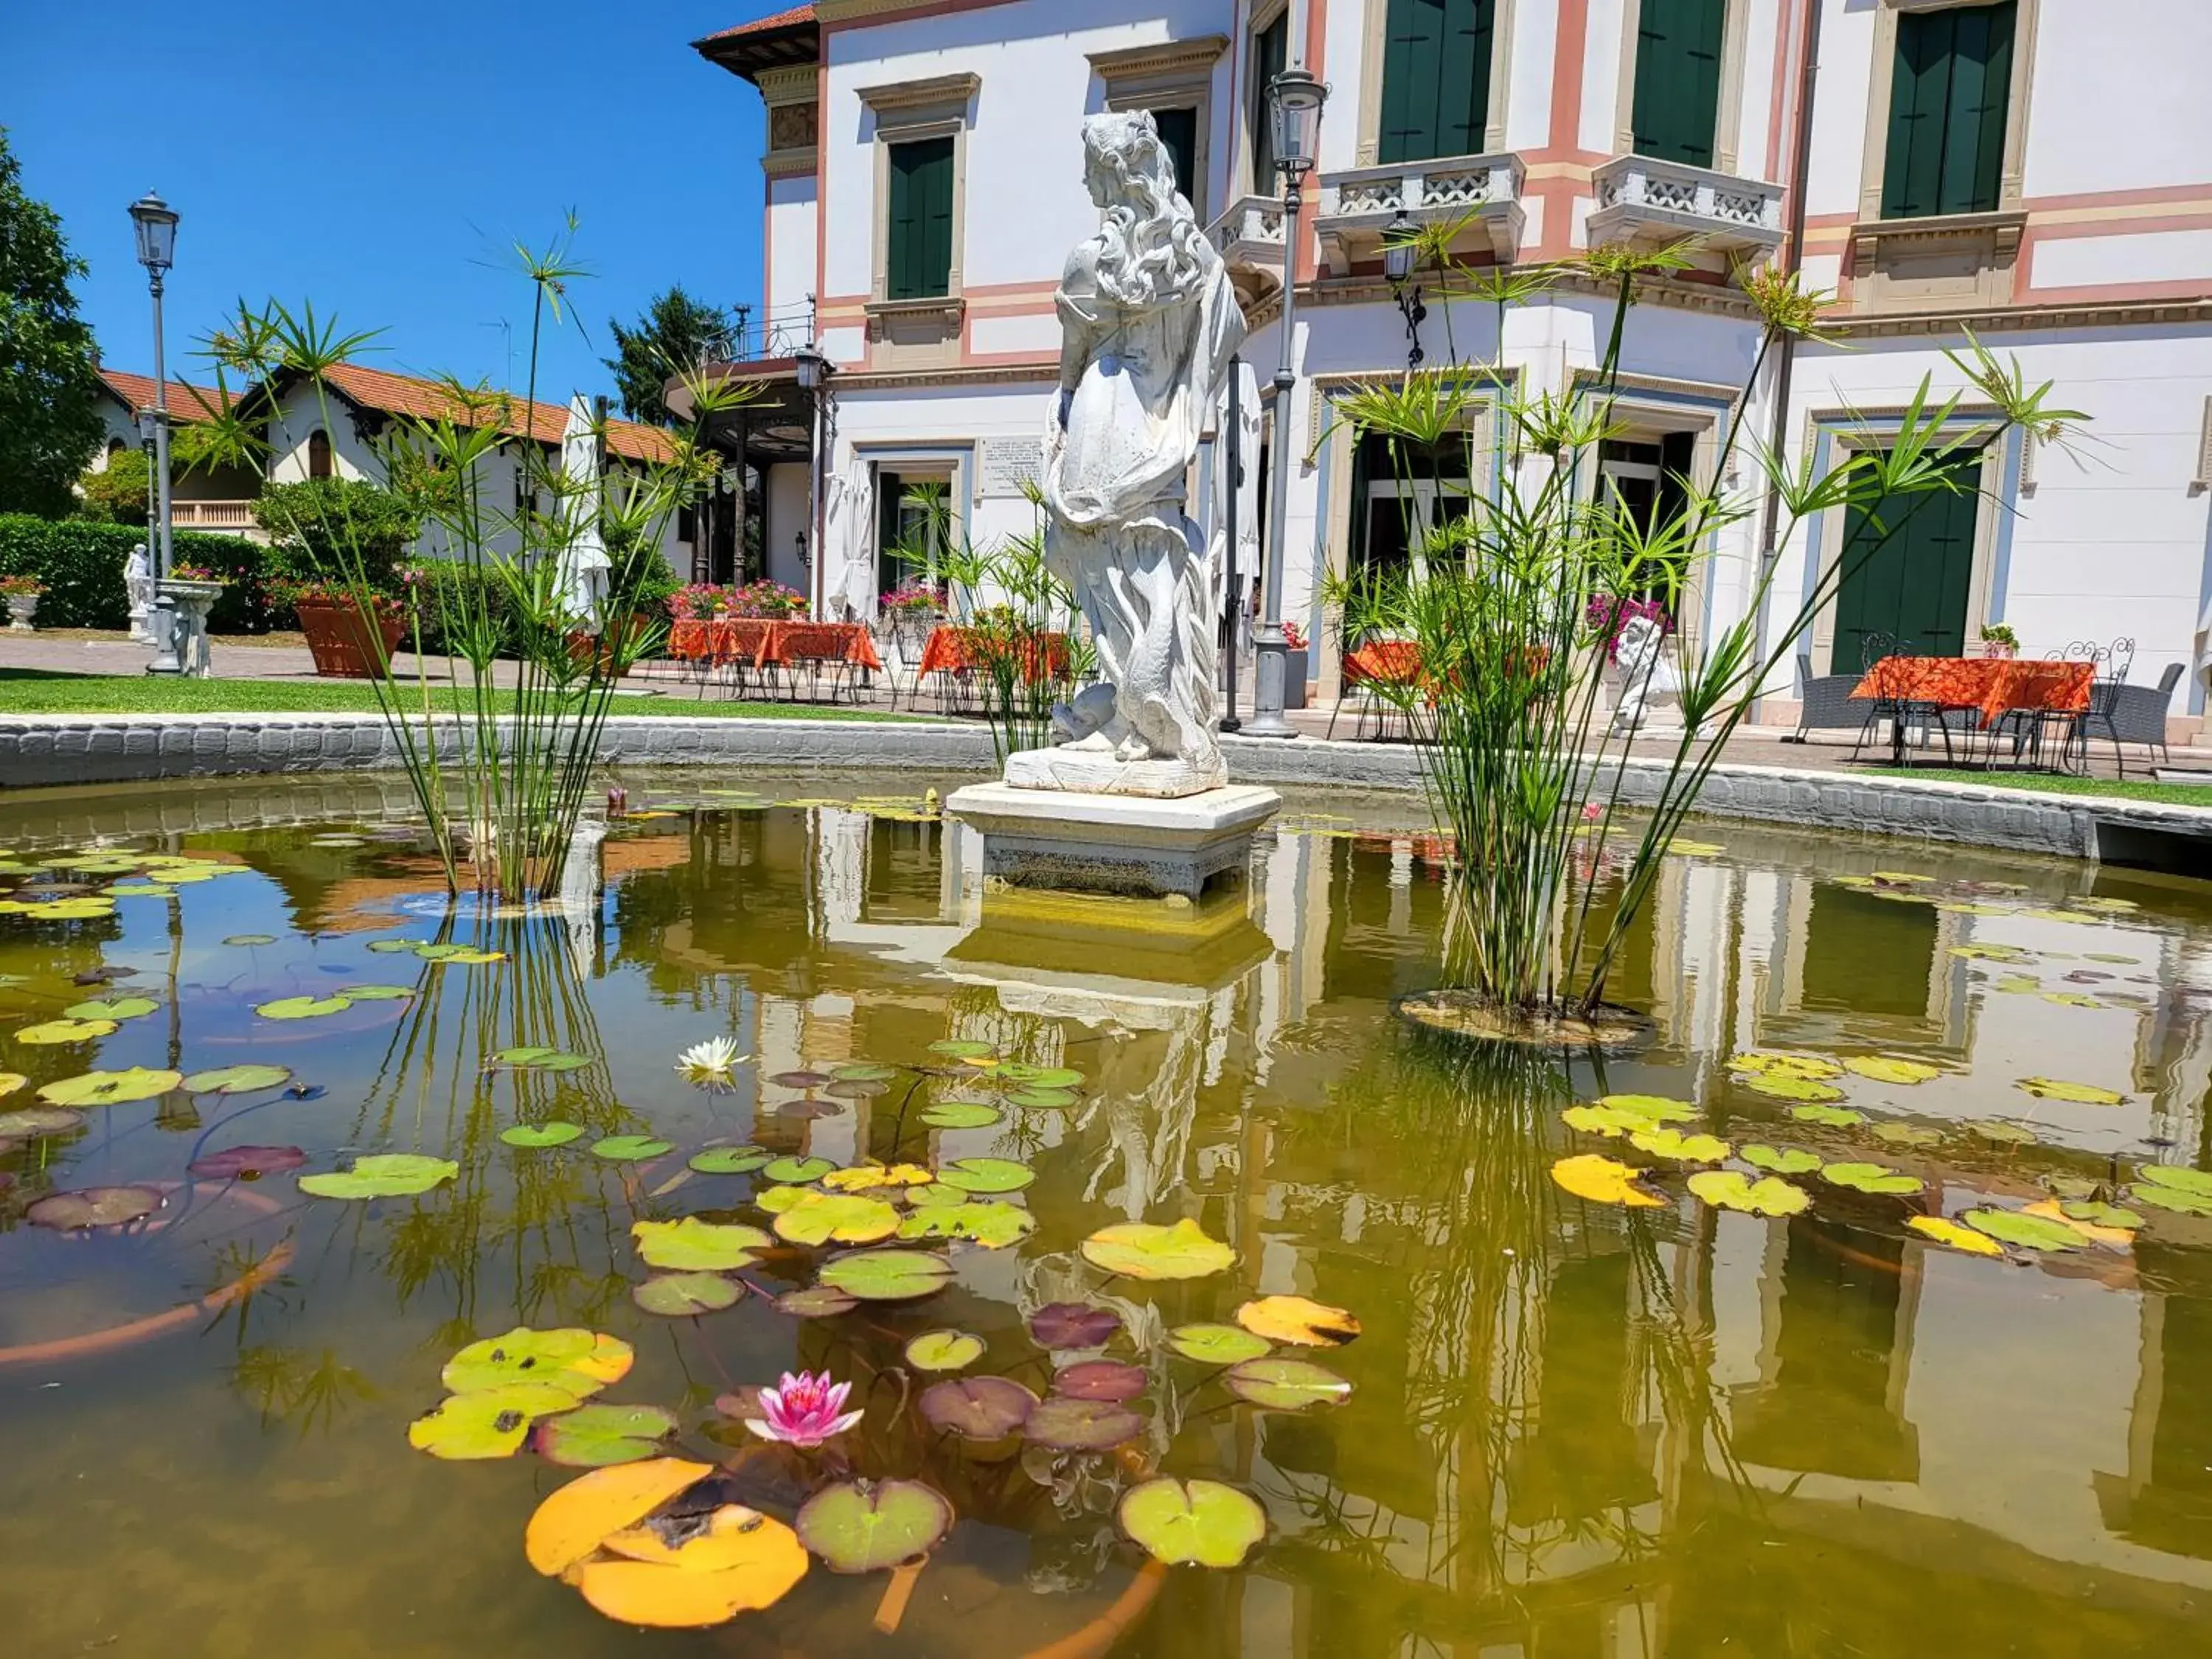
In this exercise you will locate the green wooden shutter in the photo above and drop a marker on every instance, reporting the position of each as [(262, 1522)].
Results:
[(890, 568), (1179, 132), (1678, 79), (1949, 100), (1435, 78), (1270, 54), (1908, 564), (919, 266)]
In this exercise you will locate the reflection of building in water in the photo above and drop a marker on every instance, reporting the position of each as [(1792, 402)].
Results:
[(2164, 1499)]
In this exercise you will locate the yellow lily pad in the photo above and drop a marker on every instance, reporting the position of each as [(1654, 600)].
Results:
[(1601, 1181)]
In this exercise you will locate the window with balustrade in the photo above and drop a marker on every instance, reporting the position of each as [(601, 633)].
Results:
[(1435, 79), (1679, 45)]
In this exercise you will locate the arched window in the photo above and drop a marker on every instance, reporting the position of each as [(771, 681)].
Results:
[(318, 453), (116, 447)]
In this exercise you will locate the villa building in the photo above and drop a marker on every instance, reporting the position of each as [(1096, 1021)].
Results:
[(2022, 170)]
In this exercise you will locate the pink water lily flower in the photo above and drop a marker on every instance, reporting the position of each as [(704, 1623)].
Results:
[(802, 1411)]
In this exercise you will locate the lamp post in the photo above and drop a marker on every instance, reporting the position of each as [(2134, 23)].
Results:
[(155, 223), (813, 377), (1297, 98), (1399, 254)]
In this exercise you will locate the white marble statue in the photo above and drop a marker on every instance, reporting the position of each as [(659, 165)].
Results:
[(1645, 674), (1149, 325), (138, 588)]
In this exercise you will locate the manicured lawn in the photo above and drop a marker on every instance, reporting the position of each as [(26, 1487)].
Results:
[(2177, 794), (28, 691)]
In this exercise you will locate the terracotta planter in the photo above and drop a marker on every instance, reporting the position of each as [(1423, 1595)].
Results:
[(583, 647), (348, 643)]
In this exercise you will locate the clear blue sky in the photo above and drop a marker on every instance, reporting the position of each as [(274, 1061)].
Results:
[(381, 159)]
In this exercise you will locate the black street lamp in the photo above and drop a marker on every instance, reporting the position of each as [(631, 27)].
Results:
[(155, 224), (1401, 260), (814, 370)]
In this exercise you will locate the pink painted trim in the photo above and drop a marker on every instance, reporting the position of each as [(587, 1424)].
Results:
[(2074, 229), (2145, 196), (1789, 31), (1571, 47), (2113, 293), (942, 9)]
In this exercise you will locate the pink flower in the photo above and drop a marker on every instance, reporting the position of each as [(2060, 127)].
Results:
[(1592, 812), (802, 1411)]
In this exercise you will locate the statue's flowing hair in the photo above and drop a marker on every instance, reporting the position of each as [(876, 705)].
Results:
[(1151, 247)]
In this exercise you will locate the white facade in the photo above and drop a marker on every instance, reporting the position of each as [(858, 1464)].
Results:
[(2090, 261)]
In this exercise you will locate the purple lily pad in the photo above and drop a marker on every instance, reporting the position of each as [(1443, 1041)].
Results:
[(816, 1302), (978, 1408), (808, 1080), (856, 1088), (1091, 1425), (809, 1108), (1113, 1381), (1073, 1325), (246, 1163), (94, 1206)]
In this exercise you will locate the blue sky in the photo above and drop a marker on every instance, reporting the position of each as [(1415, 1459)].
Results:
[(381, 161)]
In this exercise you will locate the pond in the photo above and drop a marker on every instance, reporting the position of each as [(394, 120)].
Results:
[(1948, 1397)]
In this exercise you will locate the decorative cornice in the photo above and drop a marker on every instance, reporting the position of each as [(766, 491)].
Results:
[(1167, 57), (1042, 371), (899, 96), (791, 163), (798, 83), (1998, 319)]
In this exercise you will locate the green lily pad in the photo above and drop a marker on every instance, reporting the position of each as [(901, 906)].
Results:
[(960, 1114), (863, 1072), (631, 1149), (1870, 1178), (986, 1174), (238, 1079), (1794, 1088), (579, 1362), (819, 1218), (1141, 1249), (2032, 1232), (1780, 1161), (796, 1171), (691, 1245), (2002, 1134), (1044, 1077), (731, 1160), (141, 889), (1602, 1120), (385, 947), (816, 1302), (1217, 1344), (871, 1526), (392, 1175), (686, 1296), (438, 952), (1835, 1117), (1677, 1147), (113, 1008), (1651, 1109), (2176, 1177), (1728, 1189), (943, 1351), (1041, 1100), (110, 1088), (487, 1424), (53, 1031), (1907, 1134), (886, 1275), (243, 940), (993, 1225), (1198, 1522), (1880, 1068), (539, 1136), (2180, 1201), (303, 1007), (2098, 1215), (2074, 1094), (377, 992), (534, 1058), (1286, 1385), (957, 1049), (599, 1436)]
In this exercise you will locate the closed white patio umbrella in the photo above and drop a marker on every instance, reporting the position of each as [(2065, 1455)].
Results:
[(585, 567)]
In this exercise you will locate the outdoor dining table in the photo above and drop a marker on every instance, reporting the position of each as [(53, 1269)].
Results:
[(1995, 686), (764, 643), (951, 650)]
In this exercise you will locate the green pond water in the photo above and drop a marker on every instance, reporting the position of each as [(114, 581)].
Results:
[(1573, 1427)]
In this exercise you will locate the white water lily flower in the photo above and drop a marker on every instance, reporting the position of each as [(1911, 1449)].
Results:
[(710, 1061)]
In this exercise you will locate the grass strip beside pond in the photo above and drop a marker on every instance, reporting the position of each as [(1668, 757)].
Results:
[(28, 691), (2045, 783)]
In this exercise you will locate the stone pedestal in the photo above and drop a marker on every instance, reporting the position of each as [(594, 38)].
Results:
[(1138, 845), (185, 650)]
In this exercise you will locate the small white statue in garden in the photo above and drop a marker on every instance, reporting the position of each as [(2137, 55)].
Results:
[(1645, 674), (139, 587)]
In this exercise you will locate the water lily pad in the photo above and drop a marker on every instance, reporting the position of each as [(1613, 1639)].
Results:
[(113, 1008), (1045, 1076), (1881, 1068), (1813, 1067), (2002, 1134), (816, 1302), (303, 1007), (1084, 1425), (246, 1163), (876, 1178), (1141, 1249), (1652, 1110), (855, 1089), (1113, 1380), (1907, 1134), (2176, 1178), (631, 1149), (731, 1160), (986, 1174), (94, 1207), (1602, 1120), (1834, 1117), (960, 1114), (383, 947), (1945, 1231), (487, 1423), (871, 1526), (1677, 1147), (1073, 1325), (804, 1080), (1041, 1100), (959, 1049), (860, 1072), (579, 1362), (796, 1171), (541, 1136), (1286, 1385), (1601, 1181), (238, 1079), (599, 1436), (847, 1218), (686, 1296), (1298, 1321), (978, 1408), (886, 1275), (2177, 1200), (1730, 1189), (570, 1525), (51, 1032), (110, 1088), (1780, 1160), (532, 1059), (2074, 1094), (243, 940), (1217, 1344), (1782, 1087), (2028, 1232), (943, 1351), (1196, 1523), (691, 1245), (391, 1175), (35, 1123), (10, 1081), (995, 1225), (1870, 1178), (377, 992)]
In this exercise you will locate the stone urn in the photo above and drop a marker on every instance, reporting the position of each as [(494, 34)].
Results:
[(21, 607), (187, 651)]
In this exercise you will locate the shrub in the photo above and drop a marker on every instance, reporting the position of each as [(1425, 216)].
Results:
[(119, 494), (330, 524), (82, 565)]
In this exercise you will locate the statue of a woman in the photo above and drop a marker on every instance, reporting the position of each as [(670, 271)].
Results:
[(1149, 325)]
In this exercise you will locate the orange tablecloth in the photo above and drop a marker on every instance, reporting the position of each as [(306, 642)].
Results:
[(1384, 662), (949, 650), (730, 639), (1994, 685)]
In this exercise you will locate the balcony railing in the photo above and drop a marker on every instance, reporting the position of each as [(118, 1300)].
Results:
[(1358, 206), (211, 515), (1641, 199)]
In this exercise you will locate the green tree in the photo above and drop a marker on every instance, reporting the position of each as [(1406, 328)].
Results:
[(677, 334), (118, 495), (329, 526), (50, 420)]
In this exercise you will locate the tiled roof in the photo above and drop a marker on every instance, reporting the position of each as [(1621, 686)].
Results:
[(430, 400), (782, 20), (186, 403)]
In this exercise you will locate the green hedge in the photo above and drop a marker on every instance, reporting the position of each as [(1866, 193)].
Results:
[(82, 565)]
